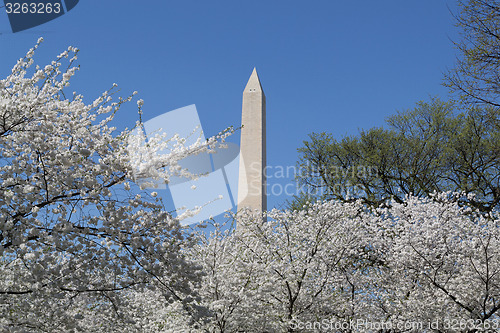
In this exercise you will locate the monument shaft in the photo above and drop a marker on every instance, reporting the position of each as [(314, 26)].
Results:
[(252, 178)]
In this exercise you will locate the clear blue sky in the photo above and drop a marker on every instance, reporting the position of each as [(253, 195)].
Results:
[(333, 66)]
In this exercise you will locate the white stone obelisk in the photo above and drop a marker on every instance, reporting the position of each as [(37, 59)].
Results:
[(252, 178)]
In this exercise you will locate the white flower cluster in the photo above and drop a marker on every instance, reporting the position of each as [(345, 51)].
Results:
[(74, 233), (424, 264)]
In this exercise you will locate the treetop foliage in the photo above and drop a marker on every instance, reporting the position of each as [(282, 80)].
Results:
[(431, 148)]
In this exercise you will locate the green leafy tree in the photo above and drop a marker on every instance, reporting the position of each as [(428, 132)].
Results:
[(431, 148)]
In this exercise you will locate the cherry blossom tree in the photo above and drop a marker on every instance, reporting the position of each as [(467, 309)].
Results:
[(441, 264), (268, 273), (421, 265), (74, 225)]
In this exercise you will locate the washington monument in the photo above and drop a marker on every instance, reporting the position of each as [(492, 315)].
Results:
[(252, 178)]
